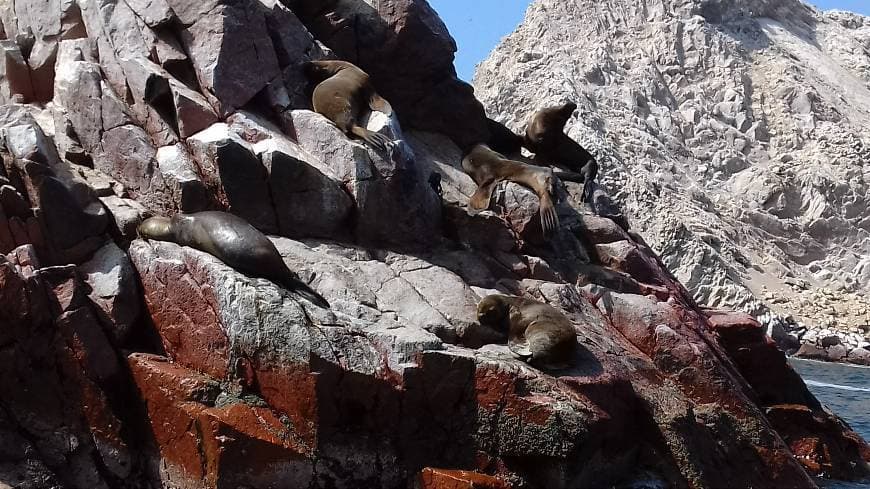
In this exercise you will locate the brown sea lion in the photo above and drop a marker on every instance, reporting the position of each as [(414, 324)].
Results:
[(232, 240), (487, 168), (545, 136), (343, 94), (537, 332)]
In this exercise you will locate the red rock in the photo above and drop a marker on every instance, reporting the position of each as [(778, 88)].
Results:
[(173, 397), (625, 256), (292, 391), (822, 443), (244, 446), (181, 312), (231, 446), (458, 479)]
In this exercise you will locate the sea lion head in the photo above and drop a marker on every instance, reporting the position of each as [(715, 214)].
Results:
[(157, 228), (317, 71), (492, 311), (564, 114)]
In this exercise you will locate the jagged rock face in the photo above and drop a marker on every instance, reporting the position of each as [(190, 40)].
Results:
[(733, 133), (127, 363)]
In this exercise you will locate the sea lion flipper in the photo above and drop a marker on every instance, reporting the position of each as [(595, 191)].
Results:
[(480, 198), (376, 140), (298, 287), (521, 349), (380, 104), (549, 218)]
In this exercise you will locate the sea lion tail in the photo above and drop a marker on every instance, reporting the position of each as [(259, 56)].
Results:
[(301, 288), (376, 140)]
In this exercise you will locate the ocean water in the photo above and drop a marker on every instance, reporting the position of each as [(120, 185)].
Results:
[(846, 391)]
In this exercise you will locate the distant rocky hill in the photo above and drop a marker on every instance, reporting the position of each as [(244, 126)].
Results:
[(734, 133), (128, 363)]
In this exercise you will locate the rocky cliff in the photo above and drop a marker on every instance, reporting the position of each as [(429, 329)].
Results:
[(735, 136), (127, 363)]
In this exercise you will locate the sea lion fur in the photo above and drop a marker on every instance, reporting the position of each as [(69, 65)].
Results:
[(232, 240), (343, 95), (488, 168), (545, 136), (537, 332)]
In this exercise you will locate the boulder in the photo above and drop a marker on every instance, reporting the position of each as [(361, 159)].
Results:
[(114, 290), (130, 157), (14, 74), (308, 204), (184, 184), (231, 51), (230, 166), (394, 202)]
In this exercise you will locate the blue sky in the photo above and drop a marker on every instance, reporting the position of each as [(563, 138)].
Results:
[(478, 25)]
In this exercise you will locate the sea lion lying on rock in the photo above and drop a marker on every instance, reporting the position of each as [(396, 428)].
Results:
[(343, 95), (537, 332), (488, 168), (545, 136), (233, 241)]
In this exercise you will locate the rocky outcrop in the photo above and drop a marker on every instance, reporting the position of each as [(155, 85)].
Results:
[(129, 363), (408, 52), (733, 135)]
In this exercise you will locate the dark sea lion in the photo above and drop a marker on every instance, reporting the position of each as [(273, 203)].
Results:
[(232, 240), (537, 332), (343, 94), (502, 139), (545, 136), (487, 168)]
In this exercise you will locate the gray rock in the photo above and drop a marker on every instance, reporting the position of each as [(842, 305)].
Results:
[(153, 12), (230, 166), (307, 202), (14, 74), (859, 356), (114, 290), (179, 172), (394, 201), (127, 215), (231, 77), (129, 156), (78, 92)]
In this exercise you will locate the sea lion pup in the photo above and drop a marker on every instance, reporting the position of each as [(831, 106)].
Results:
[(343, 94), (545, 136), (537, 332), (232, 240), (487, 168)]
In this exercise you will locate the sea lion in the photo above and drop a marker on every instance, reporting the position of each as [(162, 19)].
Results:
[(487, 168), (502, 139), (537, 332), (342, 94), (545, 136), (233, 241)]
